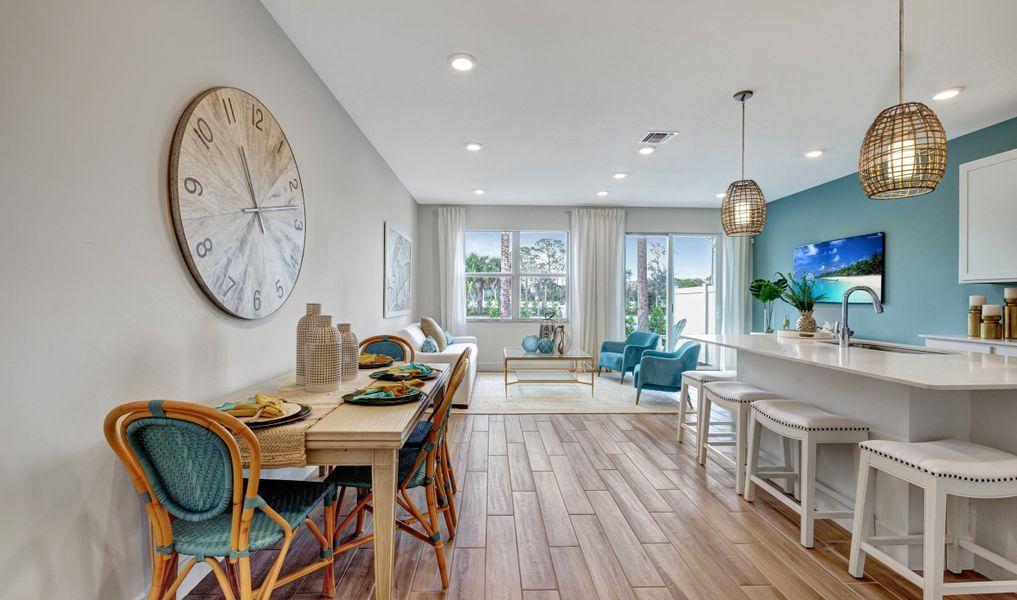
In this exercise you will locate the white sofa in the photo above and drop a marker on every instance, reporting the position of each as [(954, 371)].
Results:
[(415, 336)]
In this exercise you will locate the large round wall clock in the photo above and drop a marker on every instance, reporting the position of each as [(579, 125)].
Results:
[(237, 202)]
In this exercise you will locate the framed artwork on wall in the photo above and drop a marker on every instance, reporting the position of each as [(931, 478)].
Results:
[(398, 271)]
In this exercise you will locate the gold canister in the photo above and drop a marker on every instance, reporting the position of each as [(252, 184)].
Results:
[(974, 321), (1010, 319), (992, 329)]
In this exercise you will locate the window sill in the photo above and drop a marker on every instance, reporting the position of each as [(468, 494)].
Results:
[(480, 320)]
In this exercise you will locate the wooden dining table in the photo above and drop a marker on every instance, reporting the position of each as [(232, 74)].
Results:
[(360, 435)]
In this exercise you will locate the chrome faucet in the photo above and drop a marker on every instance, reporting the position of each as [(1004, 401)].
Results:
[(845, 333)]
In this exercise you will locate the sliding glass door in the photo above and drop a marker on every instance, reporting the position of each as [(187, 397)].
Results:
[(669, 278)]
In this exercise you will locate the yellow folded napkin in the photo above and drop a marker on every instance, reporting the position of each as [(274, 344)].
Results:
[(371, 359)]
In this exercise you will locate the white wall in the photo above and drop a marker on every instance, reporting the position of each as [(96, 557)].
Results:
[(98, 307), (492, 337)]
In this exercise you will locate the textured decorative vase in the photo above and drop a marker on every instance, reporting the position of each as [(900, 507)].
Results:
[(349, 352), (321, 356), (530, 343), (806, 324), (545, 345), (303, 331)]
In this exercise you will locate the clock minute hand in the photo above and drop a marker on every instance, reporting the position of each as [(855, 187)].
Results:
[(266, 209), (250, 188)]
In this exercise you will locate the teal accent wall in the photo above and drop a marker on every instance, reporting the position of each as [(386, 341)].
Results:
[(921, 289)]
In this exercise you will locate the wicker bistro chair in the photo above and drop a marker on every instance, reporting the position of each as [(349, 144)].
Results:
[(184, 461), (389, 345), (419, 434), (418, 467)]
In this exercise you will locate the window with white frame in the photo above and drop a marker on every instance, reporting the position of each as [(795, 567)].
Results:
[(516, 274)]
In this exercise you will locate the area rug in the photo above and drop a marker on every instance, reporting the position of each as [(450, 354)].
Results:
[(610, 397)]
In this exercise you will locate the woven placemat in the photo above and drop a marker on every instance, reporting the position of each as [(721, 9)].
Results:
[(283, 446)]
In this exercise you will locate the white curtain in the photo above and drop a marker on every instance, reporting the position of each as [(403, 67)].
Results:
[(735, 314), (598, 267), (452, 268)]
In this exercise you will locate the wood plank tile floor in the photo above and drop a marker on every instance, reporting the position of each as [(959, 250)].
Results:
[(561, 507)]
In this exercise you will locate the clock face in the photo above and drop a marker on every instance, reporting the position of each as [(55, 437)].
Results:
[(237, 202)]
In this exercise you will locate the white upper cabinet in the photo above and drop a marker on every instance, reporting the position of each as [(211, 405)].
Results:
[(988, 219)]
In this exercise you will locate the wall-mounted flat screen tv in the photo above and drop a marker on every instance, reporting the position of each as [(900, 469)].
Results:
[(842, 264)]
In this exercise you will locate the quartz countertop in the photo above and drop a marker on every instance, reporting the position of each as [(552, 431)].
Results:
[(967, 340), (951, 371)]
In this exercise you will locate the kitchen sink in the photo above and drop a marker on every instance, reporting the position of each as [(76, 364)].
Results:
[(889, 348)]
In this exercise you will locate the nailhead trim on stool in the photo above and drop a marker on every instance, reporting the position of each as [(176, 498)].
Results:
[(934, 474), (794, 426)]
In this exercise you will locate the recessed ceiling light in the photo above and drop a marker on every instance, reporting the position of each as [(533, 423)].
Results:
[(646, 150), (814, 153), (474, 146), (620, 175), (722, 195), (948, 93), (479, 192), (602, 193), (462, 62)]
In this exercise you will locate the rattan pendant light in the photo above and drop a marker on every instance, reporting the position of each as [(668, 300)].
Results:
[(743, 211), (904, 152)]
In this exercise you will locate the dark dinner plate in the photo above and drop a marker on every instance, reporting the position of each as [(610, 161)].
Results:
[(386, 376), (300, 414), (413, 396)]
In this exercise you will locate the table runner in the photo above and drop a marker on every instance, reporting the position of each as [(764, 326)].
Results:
[(283, 445)]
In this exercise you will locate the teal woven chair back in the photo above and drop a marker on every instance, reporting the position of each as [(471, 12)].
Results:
[(188, 466), (386, 347)]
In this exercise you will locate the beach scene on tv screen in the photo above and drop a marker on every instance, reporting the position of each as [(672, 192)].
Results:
[(839, 265)]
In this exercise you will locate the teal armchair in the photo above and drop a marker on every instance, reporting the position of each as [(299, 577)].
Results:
[(662, 371), (624, 356)]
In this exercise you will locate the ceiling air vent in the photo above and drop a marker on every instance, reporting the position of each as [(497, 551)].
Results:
[(658, 137)]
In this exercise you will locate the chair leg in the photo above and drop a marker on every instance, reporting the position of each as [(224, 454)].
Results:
[(361, 515), (935, 540), (808, 492), (861, 525), (328, 583), (703, 431), (958, 524), (683, 400), (789, 483), (244, 568), (752, 462), (741, 425), (640, 391), (447, 458), (439, 549)]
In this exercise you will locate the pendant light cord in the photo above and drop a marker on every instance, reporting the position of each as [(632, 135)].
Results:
[(900, 53), (743, 139)]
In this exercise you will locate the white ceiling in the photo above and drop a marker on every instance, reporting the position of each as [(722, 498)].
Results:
[(564, 89)]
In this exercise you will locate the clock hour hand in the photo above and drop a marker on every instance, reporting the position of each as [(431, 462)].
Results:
[(250, 188)]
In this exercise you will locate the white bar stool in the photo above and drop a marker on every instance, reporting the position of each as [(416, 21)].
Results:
[(736, 397), (942, 468), (811, 426), (695, 380)]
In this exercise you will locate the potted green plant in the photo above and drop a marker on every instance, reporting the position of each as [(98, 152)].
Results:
[(767, 291), (801, 295)]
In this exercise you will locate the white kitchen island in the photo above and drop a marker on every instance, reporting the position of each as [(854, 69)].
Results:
[(912, 395)]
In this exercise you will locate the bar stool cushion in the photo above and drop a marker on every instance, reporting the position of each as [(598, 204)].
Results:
[(705, 376), (736, 391), (804, 416), (955, 459)]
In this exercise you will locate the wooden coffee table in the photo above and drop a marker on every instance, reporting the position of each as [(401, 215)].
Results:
[(520, 363)]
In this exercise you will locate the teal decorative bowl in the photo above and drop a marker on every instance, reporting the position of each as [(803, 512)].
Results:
[(531, 343), (545, 346)]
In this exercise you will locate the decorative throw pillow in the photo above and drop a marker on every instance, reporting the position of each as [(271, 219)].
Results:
[(434, 331), (429, 345), (448, 339)]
